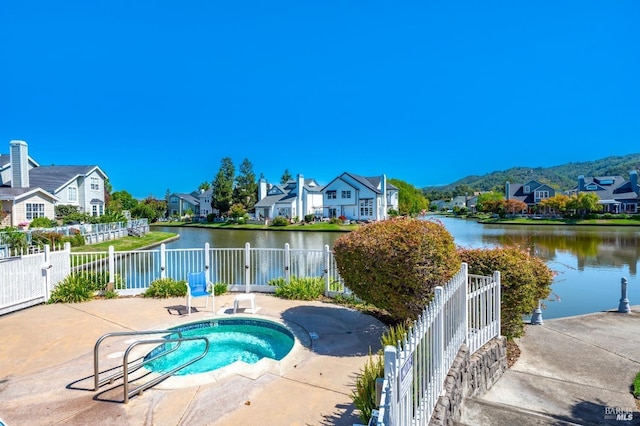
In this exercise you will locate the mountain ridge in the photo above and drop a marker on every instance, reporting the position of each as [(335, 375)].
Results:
[(561, 177)]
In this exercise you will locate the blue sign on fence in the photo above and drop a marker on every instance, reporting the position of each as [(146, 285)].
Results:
[(406, 377)]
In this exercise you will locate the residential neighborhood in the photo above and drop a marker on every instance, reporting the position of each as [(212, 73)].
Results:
[(29, 190)]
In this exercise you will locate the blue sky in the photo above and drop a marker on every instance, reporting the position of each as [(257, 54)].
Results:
[(158, 92)]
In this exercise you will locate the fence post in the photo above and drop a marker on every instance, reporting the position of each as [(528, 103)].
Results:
[(390, 372), (498, 301), (287, 263), (327, 280), (112, 268), (465, 292), (46, 272), (247, 267), (207, 272), (439, 350), (536, 317), (623, 307), (163, 261)]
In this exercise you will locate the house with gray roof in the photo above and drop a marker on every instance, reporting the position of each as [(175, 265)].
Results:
[(359, 198), (295, 198), (530, 193), (616, 194), (28, 190), (180, 203)]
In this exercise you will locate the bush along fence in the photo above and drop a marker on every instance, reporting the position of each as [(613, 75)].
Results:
[(24, 278), (463, 316)]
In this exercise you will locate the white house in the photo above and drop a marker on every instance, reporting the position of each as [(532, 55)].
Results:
[(359, 198), (28, 190), (295, 198)]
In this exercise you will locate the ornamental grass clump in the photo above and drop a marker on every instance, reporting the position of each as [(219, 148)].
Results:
[(395, 264), (524, 280)]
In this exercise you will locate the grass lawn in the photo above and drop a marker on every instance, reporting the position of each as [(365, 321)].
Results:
[(126, 243)]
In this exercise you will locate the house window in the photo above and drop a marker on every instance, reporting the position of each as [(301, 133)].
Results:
[(333, 213), (541, 194), (366, 207), (527, 189), (346, 194), (35, 210), (94, 210), (95, 184), (174, 200), (73, 193), (332, 195)]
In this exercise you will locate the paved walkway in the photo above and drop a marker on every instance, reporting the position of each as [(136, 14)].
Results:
[(572, 371), (46, 367)]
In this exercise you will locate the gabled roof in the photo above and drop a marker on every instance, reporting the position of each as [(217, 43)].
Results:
[(371, 183), (610, 188), (53, 178), (16, 194), (189, 198)]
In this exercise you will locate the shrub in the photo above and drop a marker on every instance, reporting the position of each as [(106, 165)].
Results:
[(364, 395), (636, 386), (524, 279), (280, 221), (73, 289), (309, 218), (299, 288), (42, 222), (163, 288), (220, 289), (395, 264), (335, 221)]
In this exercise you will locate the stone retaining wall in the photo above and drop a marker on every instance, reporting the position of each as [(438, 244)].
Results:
[(470, 376)]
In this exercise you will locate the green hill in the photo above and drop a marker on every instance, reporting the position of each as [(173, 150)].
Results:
[(562, 177)]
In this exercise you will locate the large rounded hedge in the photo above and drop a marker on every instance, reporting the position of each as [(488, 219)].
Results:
[(395, 264)]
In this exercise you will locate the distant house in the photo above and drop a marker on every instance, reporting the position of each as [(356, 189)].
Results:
[(180, 203), (617, 195), (295, 198), (359, 198), (204, 199), (530, 193), (28, 190)]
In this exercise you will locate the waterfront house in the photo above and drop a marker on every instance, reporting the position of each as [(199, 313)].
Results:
[(295, 198), (359, 198), (180, 204), (28, 190), (530, 193), (616, 194)]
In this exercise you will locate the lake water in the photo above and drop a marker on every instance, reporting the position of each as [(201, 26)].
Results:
[(589, 261)]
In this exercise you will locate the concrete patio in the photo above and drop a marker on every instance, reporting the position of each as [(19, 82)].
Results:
[(46, 360)]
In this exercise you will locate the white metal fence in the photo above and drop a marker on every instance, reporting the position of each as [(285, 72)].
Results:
[(465, 311), (242, 269)]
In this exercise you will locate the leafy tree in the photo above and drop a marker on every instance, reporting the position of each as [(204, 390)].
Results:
[(490, 202), (150, 208), (237, 211), (584, 202), (286, 176), (107, 192), (515, 206), (222, 186), (246, 190), (557, 203), (410, 199), (395, 264), (121, 200), (204, 186)]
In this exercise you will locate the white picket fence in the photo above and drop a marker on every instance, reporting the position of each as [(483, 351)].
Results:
[(465, 311), (28, 280)]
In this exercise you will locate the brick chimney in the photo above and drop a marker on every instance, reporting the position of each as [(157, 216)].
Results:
[(19, 164)]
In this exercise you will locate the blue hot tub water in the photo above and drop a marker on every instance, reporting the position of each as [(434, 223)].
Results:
[(230, 340)]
